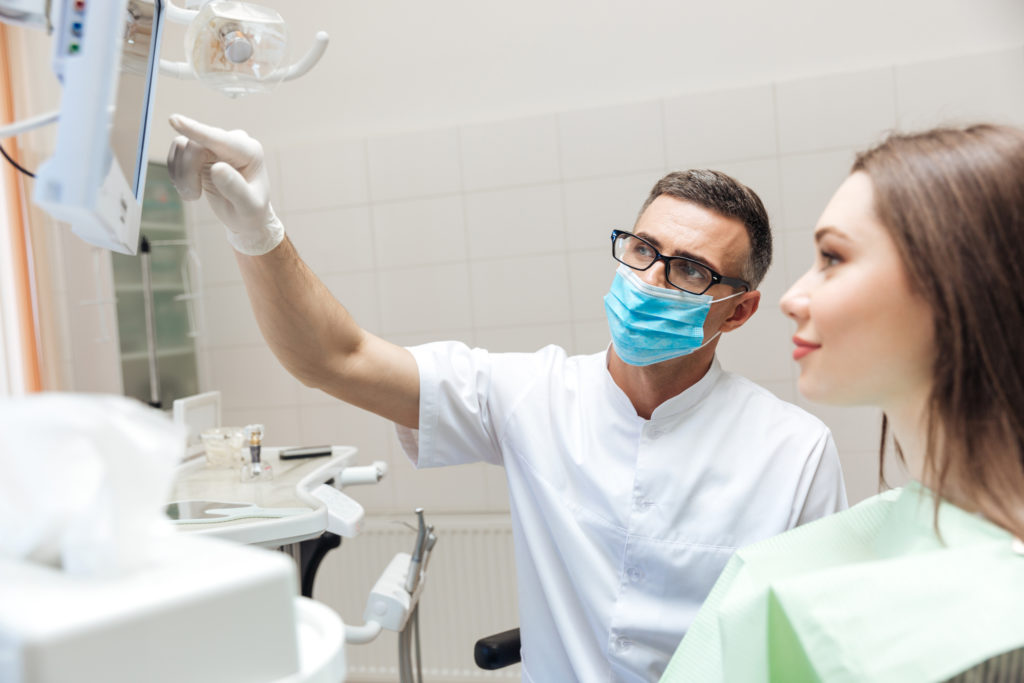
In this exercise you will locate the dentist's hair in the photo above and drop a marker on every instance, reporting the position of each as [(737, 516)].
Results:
[(952, 199), (728, 197)]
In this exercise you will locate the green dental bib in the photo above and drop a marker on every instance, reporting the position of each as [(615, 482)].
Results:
[(869, 594)]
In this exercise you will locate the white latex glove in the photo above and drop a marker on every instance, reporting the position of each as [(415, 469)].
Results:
[(228, 165)]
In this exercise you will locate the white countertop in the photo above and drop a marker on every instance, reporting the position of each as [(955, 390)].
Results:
[(196, 480)]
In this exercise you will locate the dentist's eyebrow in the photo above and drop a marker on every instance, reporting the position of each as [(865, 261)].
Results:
[(678, 252)]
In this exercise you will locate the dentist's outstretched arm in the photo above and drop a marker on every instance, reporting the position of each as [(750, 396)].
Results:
[(312, 334)]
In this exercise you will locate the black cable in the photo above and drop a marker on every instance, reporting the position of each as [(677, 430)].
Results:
[(16, 165)]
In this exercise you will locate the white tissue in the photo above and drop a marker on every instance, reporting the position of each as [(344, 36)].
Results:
[(84, 481)]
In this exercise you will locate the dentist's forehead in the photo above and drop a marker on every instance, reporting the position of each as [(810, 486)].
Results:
[(678, 227)]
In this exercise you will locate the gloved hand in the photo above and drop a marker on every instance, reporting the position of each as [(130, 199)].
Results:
[(228, 165)]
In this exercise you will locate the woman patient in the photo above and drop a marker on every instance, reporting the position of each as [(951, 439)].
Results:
[(914, 303)]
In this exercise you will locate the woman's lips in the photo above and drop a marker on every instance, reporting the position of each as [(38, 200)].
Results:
[(803, 348)]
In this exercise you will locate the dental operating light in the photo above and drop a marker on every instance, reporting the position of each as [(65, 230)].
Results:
[(237, 48), (106, 55)]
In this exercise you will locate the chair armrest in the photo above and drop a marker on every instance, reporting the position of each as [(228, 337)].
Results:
[(497, 651)]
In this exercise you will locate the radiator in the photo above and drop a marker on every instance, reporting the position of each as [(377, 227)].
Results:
[(470, 592)]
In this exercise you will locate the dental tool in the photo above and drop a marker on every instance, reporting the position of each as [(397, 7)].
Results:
[(412, 579), (394, 603), (429, 547), (256, 469)]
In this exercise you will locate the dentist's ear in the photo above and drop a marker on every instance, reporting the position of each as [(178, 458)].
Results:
[(746, 306)]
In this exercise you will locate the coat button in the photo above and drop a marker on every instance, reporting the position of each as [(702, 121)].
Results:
[(641, 503)]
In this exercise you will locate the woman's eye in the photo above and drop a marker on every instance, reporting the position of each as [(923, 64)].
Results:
[(828, 259)]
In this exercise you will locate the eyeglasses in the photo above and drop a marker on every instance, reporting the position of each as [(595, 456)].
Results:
[(680, 272)]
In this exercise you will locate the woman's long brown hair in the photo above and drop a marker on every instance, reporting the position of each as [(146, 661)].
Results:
[(953, 201)]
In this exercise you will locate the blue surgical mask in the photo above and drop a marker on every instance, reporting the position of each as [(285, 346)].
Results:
[(650, 324)]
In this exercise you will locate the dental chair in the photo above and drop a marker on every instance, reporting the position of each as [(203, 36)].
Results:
[(502, 649), (497, 651)]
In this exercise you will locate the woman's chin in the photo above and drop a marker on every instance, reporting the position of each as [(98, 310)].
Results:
[(831, 393), (813, 389)]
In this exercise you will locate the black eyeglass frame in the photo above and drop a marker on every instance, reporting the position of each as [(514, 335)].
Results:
[(716, 278)]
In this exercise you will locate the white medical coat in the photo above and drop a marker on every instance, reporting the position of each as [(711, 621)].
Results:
[(621, 524)]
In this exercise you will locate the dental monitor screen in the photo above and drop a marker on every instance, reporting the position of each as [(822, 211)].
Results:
[(107, 55), (129, 133)]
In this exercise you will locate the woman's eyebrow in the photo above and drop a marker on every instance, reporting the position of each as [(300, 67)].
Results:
[(827, 230)]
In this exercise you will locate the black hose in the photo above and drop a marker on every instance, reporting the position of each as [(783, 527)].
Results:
[(318, 549)]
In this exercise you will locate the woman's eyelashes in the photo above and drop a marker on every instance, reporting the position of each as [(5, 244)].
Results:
[(828, 259)]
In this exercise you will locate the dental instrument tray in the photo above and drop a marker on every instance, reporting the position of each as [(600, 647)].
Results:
[(212, 511)]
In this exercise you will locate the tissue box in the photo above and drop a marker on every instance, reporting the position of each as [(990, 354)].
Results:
[(208, 611)]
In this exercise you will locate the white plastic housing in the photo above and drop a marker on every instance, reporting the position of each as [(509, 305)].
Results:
[(366, 474), (344, 515), (83, 183), (389, 603), (30, 13), (208, 611)]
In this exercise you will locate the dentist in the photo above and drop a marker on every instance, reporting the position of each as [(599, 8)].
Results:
[(633, 473)]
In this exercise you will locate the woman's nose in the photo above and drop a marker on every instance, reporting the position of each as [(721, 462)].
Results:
[(794, 302)]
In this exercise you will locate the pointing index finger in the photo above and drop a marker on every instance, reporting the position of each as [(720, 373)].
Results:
[(231, 148)]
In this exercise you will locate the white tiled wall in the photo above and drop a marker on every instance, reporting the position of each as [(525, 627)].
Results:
[(334, 240), (595, 207), (612, 140), (834, 111), (807, 180), (419, 164), (528, 149), (518, 221), (962, 89), (337, 176), (723, 125), (497, 234)]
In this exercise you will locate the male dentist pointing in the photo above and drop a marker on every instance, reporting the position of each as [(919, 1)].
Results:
[(633, 473)]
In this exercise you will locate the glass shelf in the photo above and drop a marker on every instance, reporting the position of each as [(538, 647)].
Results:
[(162, 287), (163, 219), (161, 353), (159, 226)]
